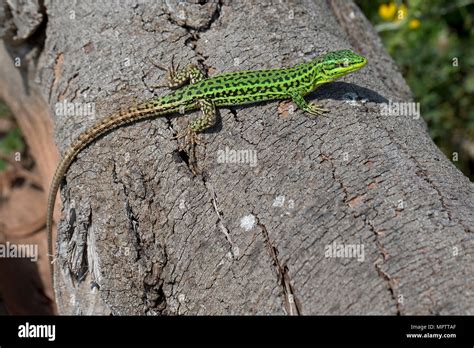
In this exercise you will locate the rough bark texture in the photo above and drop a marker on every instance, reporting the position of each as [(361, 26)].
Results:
[(142, 235)]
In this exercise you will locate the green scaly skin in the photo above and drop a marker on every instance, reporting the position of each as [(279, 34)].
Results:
[(231, 89), (245, 87)]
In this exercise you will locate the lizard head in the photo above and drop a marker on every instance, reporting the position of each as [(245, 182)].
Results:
[(336, 64)]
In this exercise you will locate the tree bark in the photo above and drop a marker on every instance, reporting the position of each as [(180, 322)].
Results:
[(141, 234)]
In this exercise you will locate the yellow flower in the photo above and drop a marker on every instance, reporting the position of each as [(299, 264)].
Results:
[(414, 24), (387, 11), (401, 13)]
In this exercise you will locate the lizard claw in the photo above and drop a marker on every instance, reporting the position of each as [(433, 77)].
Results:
[(171, 74), (191, 139), (190, 136), (315, 110), (157, 65), (159, 86)]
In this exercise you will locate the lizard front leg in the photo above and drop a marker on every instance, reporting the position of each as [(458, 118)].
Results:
[(311, 108)]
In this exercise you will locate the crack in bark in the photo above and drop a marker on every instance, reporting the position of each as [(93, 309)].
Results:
[(380, 246), (220, 223), (76, 249), (84, 260), (234, 114), (422, 173), (133, 221), (292, 305), (58, 62), (161, 302), (329, 159), (214, 17), (391, 282)]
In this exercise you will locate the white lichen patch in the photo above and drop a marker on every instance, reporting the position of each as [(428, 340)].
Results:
[(248, 222), (279, 201), (181, 298)]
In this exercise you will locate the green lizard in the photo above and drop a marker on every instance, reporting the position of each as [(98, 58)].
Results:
[(235, 88)]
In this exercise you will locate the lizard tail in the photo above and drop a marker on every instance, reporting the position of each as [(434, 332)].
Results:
[(103, 126)]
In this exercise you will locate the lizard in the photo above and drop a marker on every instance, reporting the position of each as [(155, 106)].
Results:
[(193, 91)]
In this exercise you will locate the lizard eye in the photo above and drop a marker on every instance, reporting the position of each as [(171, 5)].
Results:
[(344, 63)]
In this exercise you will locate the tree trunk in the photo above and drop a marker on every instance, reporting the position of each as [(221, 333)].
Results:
[(141, 234)]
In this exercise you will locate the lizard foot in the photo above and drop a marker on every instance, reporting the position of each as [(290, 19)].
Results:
[(191, 140), (315, 110), (171, 77), (191, 137)]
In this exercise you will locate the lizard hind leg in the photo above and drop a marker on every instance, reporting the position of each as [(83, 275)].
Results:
[(191, 133), (205, 121), (176, 77)]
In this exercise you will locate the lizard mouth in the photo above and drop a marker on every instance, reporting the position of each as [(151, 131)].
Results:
[(353, 66), (357, 66)]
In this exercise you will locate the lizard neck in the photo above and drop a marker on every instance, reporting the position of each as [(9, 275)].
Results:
[(317, 75), (309, 75)]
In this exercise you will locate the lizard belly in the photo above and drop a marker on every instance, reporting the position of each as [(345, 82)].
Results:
[(246, 98)]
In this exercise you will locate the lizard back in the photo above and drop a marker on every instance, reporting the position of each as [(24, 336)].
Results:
[(243, 87)]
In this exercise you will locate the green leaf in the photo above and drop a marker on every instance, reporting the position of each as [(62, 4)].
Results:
[(12, 142)]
